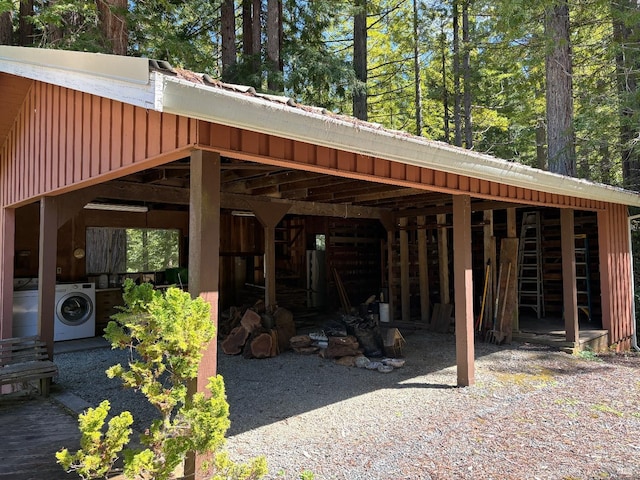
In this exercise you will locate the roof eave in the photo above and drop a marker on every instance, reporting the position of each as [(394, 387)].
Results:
[(125, 79), (243, 111)]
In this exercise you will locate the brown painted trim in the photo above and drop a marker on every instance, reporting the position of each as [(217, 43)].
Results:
[(7, 250)]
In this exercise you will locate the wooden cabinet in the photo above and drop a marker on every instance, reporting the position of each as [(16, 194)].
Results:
[(106, 302)]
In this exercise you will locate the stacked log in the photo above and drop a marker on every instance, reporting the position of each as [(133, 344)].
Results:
[(258, 333)]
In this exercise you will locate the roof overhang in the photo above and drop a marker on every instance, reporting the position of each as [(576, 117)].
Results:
[(129, 80)]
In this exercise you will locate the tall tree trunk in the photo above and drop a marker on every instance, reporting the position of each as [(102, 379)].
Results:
[(114, 25), (228, 34), (416, 69), (360, 59), (25, 27), (6, 29), (626, 35), (457, 114), (445, 90), (251, 44), (466, 75), (559, 95), (541, 151), (274, 27)]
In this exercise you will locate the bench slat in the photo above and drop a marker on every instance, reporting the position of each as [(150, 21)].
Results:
[(26, 358)]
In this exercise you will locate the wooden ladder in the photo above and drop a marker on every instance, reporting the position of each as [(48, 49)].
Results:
[(530, 278), (583, 279)]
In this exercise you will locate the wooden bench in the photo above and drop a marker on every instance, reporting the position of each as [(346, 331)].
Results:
[(23, 359)]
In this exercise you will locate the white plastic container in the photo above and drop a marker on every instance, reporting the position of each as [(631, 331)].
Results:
[(384, 312)]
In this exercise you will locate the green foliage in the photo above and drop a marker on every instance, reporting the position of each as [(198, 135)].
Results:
[(307, 475), (98, 451), (166, 334), (152, 249)]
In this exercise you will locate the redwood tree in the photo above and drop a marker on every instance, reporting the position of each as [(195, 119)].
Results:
[(559, 95)]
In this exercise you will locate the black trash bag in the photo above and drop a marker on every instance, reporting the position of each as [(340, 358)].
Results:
[(334, 328), (366, 330)]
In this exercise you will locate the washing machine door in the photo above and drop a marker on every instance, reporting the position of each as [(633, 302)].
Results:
[(74, 308)]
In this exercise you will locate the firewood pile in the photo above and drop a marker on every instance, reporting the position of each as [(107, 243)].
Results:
[(256, 332)]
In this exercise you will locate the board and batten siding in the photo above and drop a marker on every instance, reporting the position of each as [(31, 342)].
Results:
[(64, 138), (615, 275)]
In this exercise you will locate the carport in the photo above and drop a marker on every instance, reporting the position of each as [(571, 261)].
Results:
[(79, 127)]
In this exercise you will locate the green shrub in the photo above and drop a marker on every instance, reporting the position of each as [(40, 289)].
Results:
[(166, 334)]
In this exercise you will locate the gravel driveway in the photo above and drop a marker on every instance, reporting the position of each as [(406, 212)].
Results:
[(534, 413)]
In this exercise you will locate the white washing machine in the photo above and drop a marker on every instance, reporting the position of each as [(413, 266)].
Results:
[(75, 315)]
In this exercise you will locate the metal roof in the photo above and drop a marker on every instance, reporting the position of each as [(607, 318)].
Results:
[(156, 85)]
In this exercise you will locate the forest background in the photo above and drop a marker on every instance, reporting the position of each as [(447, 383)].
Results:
[(547, 83)]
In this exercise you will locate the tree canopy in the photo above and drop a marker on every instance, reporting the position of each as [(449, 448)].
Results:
[(481, 69)]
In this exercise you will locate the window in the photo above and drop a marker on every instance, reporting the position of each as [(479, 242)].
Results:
[(119, 250)]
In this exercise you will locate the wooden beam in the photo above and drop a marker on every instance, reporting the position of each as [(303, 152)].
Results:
[(7, 250), (48, 249), (569, 289), (204, 264), (129, 191), (448, 209), (423, 264), (443, 260), (463, 277), (269, 215), (405, 288)]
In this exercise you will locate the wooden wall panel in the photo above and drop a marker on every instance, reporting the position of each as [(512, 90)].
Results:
[(62, 138), (615, 274)]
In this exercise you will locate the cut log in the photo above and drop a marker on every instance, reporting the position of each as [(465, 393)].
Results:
[(348, 341), (260, 346), (300, 341), (348, 361), (251, 321), (285, 326), (306, 350), (233, 344), (342, 347)]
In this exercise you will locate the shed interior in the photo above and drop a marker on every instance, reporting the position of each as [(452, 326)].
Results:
[(346, 219)]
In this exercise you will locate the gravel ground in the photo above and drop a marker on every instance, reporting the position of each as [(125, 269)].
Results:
[(534, 413)]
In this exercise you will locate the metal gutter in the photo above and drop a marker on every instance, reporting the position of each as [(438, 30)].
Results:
[(216, 105), (125, 79)]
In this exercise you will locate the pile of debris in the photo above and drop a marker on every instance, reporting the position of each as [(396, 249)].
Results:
[(355, 341), (256, 332)]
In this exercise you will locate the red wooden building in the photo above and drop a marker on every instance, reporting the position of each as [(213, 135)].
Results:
[(81, 127)]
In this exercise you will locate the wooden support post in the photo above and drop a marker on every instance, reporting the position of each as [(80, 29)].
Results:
[(463, 278), (605, 257), (423, 263), (48, 254), (569, 289), (8, 229), (489, 256), (388, 224), (204, 265), (443, 259), (512, 227), (269, 215), (512, 232), (405, 287)]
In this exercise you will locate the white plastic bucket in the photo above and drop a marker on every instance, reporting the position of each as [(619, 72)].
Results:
[(384, 312)]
